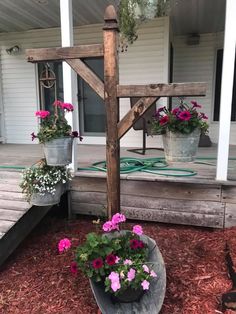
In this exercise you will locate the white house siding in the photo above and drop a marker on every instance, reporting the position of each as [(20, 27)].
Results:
[(145, 62), (197, 64)]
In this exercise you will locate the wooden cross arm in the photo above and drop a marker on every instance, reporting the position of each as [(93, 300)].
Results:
[(48, 54), (162, 90)]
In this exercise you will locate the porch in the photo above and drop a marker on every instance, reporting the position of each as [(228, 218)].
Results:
[(192, 200)]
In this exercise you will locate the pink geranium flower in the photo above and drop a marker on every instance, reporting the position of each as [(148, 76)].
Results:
[(153, 274), (137, 229), (128, 262), (107, 226), (131, 274), (42, 114), (63, 245), (145, 284), (145, 268), (118, 218), (68, 107)]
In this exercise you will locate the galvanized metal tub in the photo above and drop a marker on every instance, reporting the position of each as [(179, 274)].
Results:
[(48, 198), (181, 147), (58, 152)]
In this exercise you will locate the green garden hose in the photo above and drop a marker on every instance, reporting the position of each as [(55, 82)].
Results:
[(150, 165), (13, 167)]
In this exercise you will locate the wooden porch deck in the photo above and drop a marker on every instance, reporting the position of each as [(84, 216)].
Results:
[(197, 200)]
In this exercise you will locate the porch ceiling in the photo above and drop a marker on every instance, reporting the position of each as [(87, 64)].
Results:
[(197, 16), (24, 15), (187, 16)]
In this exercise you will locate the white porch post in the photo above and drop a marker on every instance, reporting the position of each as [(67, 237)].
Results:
[(69, 76), (226, 90)]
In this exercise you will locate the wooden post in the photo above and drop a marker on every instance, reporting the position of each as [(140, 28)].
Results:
[(111, 80)]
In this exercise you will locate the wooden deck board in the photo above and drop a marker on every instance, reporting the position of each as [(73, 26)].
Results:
[(11, 215), (5, 225)]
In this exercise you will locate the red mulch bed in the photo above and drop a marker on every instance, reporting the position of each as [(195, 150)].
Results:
[(36, 279)]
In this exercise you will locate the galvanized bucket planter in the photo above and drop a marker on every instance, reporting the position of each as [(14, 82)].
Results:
[(48, 198), (181, 147), (58, 152)]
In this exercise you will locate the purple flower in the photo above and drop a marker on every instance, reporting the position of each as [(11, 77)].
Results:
[(195, 104), (131, 274), (138, 230), (134, 244), (111, 259), (158, 111), (203, 116), (97, 263), (33, 136), (145, 284)]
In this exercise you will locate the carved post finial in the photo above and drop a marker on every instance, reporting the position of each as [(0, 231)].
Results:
[(110, 18)]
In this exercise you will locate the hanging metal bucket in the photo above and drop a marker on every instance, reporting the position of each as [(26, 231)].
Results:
[(48, 198), (58, 152), (181, 147)]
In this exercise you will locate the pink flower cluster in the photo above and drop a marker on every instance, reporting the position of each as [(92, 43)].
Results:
[(137, 229), (115, 281), (42, 114), (62, 105), (113, 224), (63, 245)]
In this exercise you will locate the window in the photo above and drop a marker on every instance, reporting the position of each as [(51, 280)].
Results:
[(48, 95), (219, 62)]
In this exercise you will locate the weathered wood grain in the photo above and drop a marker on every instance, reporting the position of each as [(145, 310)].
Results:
[(178, 205), (17, 196), (10, 215), (229, 194), (15, 205), (169, 190), (88, 75), (230, 215), (134, 114), (9, 187), (184, 218), (111, 80), (59, 53), (5, 225), (162, 90), (89, 209)]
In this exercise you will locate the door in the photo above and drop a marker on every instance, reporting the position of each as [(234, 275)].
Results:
[(91, 106)]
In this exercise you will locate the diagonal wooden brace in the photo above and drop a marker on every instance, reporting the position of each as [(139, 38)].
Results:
[(135, 113)]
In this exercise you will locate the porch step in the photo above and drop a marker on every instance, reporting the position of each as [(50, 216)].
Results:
[(17, 217)]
